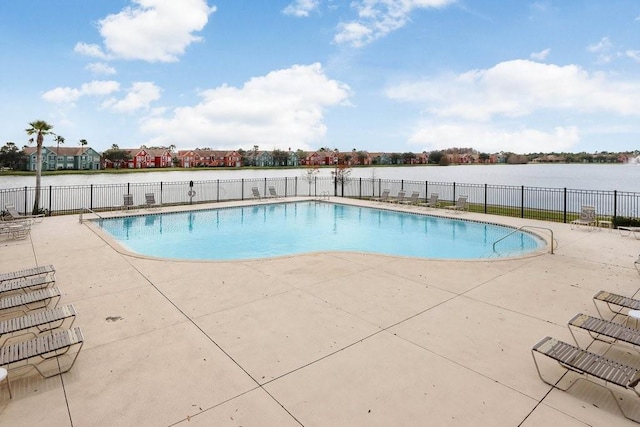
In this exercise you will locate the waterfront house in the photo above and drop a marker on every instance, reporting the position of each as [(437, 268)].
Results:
[(77, 158)]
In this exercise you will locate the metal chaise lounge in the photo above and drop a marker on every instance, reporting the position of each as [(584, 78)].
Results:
[(272, 192), (383, 197), (150, 201), (594, 368), (399, 198), (18, 229), (44, 270), (587, 218), (14, 215), (127, 202), (412, 200), (42, 298), (37, 322), (256, 193), (433, 201), (36, 351), (461, 204), (615, 303), (629, 230), (26, 284), (605, 330)]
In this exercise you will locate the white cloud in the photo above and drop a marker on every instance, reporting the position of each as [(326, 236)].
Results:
[(282, 109), (540, 56), (89, 50), (67, 95), (301, 8), (377, 18), (150, 30), (603, 50), (514, 104), (138, 97), (100, 68), (491, 139), (633, 54), (518, 88)]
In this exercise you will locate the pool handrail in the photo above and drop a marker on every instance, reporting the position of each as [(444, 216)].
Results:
[(522, 228)]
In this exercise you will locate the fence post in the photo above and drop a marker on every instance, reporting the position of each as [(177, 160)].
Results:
[(161, 192), (564, 208), (360, 190), (485, 198), (426, 191), (242, 189), (218, 190), (50, 198), (615, 206), (25, 199), (522, 201), (454, 191), (91, 197)]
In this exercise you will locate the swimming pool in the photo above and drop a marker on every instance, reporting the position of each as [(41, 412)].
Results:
[(279, 229)]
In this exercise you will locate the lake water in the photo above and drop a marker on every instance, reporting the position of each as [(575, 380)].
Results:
[(621, 177)]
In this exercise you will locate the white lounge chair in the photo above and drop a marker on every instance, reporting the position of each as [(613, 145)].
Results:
[(594, 368), (400, 197), (150, 199), (36, 351), (255, 193), (127, 202), (412, 200), (14, 215), (272, 192), (383, 197), (587, 218), (433, 201), (461, 204), (629, 230)]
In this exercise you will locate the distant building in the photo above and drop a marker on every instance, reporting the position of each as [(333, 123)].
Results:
[(53, 158)]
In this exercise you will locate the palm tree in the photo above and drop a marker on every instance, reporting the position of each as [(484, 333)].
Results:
[(83, 142), (40, 128), (60, 140)]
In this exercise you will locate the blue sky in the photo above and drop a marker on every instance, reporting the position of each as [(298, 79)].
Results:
[(376, 75)]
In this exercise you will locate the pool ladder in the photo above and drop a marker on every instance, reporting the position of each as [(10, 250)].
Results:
[(522, 228), (323, 196)]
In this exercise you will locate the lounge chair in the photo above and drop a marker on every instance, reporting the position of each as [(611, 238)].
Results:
[(604, 330), (617, 304), (43, 270), (412, 200), (630, 230), (256, 193), (461, 204), (14, 215), (399, 198), (26, 284), (433, 201), (18, 229), (592, 366), (272, 192), (127, 203), (384, 197), (150, 201), (38, 350), (587, 218), (42, 298), (35, 323)]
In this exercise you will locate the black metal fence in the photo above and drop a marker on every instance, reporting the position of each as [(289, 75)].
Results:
[(549, 204)]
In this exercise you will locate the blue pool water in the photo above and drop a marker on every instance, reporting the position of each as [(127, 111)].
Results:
[(270, 230)]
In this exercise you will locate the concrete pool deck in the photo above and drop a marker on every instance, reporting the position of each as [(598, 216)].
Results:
[(320, 339)]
